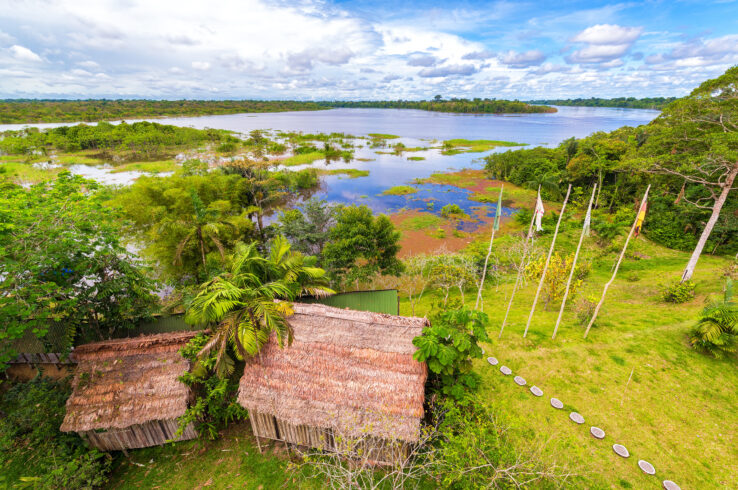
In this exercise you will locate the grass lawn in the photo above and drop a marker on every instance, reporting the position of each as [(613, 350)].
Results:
[(678, 410), (233, 461), (26, 173)]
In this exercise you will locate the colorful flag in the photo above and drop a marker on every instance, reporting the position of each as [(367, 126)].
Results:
[(587, 221), (498, 212), (539, 212), (641, 217)]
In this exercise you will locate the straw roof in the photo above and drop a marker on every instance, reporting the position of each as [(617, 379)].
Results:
[(351, 371), (124, 382)]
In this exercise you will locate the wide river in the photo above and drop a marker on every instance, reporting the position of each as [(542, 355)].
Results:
[(416, 128)]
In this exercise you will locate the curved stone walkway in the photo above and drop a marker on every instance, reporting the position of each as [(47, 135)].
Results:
[(596, 432)]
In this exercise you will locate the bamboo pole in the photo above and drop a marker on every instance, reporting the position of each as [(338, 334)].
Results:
[(522, 261), (548, 260), (617, 264), (573, 265), (489, 252)]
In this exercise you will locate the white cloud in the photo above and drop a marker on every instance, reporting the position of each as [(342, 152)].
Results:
[(23, 54), (522, 60), (201, 65), (608, 34), (444, 71)]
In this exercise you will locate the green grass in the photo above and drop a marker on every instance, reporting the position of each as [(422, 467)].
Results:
[(150, 167), (78, 158), (415, 159), (352, 173), (678, 411), (22, 173), (303, 158), (400, 190), (382, 136), (421, 221), (233, 461), (455, 146)]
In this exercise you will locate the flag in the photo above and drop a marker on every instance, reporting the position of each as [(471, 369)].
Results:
[(539, 212), (641, 217), (498, 212), (587, 221)]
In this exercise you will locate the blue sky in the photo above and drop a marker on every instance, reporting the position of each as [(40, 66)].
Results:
[(361, 49)]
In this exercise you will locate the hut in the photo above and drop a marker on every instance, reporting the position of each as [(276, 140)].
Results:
[(348, 376), (126, 393)]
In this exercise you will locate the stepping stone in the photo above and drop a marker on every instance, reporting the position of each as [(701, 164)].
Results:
[(536, 391), (597, 433), (519, 380), (670, 485), (556, 403), (506, 370), (575, 417), (493, 361), (646, 467), (620, 450)]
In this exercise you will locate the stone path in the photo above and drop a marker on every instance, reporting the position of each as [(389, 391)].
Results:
[(596, 432)]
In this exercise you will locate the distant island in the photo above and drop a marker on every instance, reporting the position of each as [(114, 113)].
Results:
[(467, 106), (657, 103), (22, 111)]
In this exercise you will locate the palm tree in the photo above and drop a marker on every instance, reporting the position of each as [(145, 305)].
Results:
[(717, 328), (243, 305), (547, 182)]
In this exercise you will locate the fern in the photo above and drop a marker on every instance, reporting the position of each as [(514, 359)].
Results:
[(716, 330)]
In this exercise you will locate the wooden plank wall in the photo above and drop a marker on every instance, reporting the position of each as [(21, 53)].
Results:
[(154, 433)]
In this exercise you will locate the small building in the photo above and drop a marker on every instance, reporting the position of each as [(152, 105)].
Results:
[(348, 376), (126, 393)]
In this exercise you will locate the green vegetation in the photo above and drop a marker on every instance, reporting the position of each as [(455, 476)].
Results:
[(33, 453), (382, 136), (303, 158), (351, 173), (474, 106), (456, 146), (453, 211), (415, 159), (400, 190), (35, 111), (716, 331), (63, 260), (421, 221), (625, 102), (148, 167)]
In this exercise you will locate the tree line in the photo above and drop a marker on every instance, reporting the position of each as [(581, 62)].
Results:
[(470, 106), (52, 110), (656, 103)]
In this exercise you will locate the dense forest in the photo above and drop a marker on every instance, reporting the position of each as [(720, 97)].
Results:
[(34, 111), (471, 106), (624, 102)]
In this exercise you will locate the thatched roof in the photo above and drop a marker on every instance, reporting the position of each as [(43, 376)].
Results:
[(124, 382), (351, 371)]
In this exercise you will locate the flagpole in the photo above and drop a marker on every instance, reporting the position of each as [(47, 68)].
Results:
[(617, 265), (574, 263), (548, 260), (522, 262), (495, 225)]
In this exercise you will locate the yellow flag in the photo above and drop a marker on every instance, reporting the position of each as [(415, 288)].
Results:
[(641, 217)]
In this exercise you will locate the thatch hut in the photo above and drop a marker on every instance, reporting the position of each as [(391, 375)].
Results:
[(126, 393), (348, 374)]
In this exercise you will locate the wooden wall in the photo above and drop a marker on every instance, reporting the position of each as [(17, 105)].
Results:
[(154, 433)]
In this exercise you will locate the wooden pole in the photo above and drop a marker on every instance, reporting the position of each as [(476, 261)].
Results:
[(489, 252), (574, 264), (548, 259), (617, 265), (522, 262)]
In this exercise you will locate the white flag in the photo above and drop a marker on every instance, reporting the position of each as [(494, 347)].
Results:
[(539, 213), (587, 221)]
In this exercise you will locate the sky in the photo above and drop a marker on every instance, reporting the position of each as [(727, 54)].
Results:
[(361, 50)]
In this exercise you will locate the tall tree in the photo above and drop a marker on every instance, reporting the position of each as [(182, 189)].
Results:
[(695, 140), (308, 229)]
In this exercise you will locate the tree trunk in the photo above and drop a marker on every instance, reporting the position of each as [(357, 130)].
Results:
[(689, 270), (202, 246), (599, 188)]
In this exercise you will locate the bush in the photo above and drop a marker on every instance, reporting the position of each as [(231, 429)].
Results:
[(448, 346), (584, 309), (679, 292), (34, 451), (227, 147), (452, 211), (716, 331), (557, 275)]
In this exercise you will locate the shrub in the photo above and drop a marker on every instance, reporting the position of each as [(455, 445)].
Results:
[(679, 292), (227, 147), (584, 309), (557, 275), (448, 346), (716, 331), (452, 211), (33, 452)]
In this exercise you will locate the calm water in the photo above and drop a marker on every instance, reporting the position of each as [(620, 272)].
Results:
[(416, 128)]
